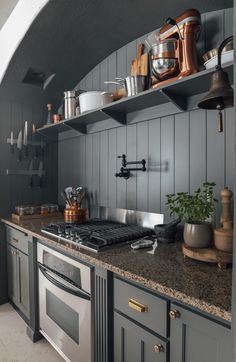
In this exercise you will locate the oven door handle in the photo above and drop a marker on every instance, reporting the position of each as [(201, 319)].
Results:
[(57, 283)]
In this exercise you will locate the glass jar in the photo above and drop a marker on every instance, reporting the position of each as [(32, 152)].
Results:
[(45, 209)]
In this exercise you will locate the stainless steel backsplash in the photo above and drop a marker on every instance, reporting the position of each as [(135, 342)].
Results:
[(145, 219)]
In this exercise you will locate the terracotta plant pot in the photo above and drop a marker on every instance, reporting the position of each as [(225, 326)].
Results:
[(198, 235)]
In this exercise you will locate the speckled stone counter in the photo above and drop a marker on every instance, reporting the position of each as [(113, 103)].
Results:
[(200, 285)]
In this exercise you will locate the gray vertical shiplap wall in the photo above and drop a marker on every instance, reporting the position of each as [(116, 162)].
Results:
[(182, 150)]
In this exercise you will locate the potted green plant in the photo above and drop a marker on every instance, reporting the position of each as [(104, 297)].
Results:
[(195, 211)]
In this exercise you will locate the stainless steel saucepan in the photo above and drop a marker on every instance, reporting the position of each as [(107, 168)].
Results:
[(132, 84)]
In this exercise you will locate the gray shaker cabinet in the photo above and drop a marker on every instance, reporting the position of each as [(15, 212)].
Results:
[(12, 273), (18, 270), (23, 282), (134, 344), (195, 338), (177, 334)]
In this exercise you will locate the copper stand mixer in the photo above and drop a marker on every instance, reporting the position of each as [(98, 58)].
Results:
[(175, 54)]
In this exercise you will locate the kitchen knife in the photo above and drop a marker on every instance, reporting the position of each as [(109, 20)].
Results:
[(25, 140), (40, 174), (19, 145), (31, 173), (35, 147), (12, 142)]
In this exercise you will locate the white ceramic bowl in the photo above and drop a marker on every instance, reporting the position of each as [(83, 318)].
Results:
[(226, 57), (92, 100)]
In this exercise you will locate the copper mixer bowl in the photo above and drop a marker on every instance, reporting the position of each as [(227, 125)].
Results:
[(164, 59), (165, 49)]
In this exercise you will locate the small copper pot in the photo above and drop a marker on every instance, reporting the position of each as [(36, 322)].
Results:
[(56, 118)]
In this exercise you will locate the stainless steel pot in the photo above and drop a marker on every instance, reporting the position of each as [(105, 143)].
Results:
[(133, 84), (70, 103)]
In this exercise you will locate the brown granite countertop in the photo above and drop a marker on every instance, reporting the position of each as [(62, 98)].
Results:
[(200, 285)]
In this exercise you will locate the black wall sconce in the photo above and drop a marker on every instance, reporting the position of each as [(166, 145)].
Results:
[(125, 172)]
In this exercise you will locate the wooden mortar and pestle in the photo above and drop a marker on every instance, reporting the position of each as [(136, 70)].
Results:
[(223, 237)]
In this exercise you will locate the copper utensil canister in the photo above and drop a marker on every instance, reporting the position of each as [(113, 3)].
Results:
[(75, 214)]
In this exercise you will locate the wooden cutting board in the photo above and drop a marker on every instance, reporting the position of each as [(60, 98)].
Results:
[(139, 65), (209, 255)]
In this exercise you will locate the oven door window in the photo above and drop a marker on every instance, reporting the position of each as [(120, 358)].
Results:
[(64, 316)]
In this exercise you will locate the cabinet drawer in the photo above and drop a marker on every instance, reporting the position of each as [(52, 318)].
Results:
[(17, 239), (133, 343), (142, 306)]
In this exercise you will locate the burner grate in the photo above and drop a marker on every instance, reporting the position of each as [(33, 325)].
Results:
[(97, 233)]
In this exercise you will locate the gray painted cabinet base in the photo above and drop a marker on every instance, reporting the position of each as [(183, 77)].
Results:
[(198, 339), (12, 274), (23, 283), (23, 279), (133, 343), (192, 337), (18, 279)]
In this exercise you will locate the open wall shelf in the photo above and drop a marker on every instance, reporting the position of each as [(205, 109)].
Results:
[(177, 92)]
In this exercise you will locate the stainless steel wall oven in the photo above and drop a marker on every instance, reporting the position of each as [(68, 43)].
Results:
[(65, 307)]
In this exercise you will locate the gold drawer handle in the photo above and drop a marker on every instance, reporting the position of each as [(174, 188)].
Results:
[(174, 314), (16, 240), (158, 348), (14, 252), (141, 308)]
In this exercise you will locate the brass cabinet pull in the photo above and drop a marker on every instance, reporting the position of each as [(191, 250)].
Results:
[(174, 314), (158, 348), (16, 240), (141, 308), (14, 252)]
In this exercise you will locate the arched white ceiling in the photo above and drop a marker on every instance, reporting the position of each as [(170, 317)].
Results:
[(15, 28), (6, 7)]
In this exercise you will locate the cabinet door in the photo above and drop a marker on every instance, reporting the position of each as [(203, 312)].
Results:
[(12, 273), (23, 282), (195, 338), (134, 344)]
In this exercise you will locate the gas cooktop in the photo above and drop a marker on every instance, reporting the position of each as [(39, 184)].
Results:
[(97, 234)]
